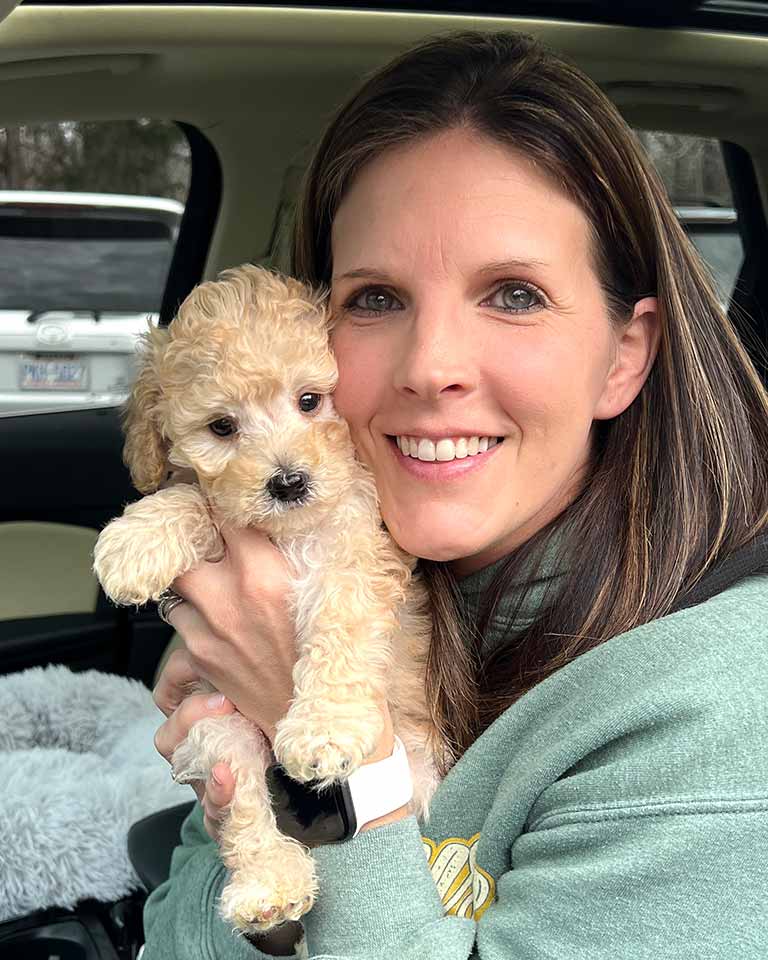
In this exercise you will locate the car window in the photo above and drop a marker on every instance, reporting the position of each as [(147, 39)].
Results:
[(695, 174), (57, 255), (89, 217)]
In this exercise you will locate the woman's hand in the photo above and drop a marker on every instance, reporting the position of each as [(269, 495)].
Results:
[(237, 628), (238, 637), (182, 710)]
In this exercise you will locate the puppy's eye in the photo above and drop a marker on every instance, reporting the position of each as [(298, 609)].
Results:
[(224, 427), (309, 402)]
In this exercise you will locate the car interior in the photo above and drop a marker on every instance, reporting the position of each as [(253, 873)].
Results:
[(250, 87)]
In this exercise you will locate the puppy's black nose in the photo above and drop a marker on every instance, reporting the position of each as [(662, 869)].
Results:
[(288, 487)]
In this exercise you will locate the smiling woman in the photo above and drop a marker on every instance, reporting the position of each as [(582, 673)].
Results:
[(565, 429), (499, 329), (480, 169)]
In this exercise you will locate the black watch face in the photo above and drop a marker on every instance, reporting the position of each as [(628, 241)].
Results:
[(308, 814)]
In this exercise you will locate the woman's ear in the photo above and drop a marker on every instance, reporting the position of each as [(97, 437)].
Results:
[(146, 451), (636, 348)]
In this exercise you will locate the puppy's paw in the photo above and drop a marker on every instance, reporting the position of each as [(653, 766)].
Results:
[(157, 539), (325, 749), (261, 910), (130, 567), (188, 763), (115, 543), (266, 894)]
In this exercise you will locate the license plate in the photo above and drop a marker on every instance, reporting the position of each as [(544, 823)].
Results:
[(61, 373)]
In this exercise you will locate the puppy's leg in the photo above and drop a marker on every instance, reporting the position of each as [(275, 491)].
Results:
[(157, 539), (272, 877), (335, 720)]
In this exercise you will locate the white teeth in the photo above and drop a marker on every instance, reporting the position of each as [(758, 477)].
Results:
[(444, 449), (426, 449)]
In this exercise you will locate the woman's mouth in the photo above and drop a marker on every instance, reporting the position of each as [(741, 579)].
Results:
[(443, 459), (445, 449)]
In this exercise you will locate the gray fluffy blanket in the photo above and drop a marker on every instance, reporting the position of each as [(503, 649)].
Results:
[(77, 767)]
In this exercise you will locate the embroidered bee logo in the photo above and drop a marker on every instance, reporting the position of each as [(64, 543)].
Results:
[(465, 888)]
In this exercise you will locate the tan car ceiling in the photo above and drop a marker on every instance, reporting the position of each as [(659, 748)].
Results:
[(260, 81)]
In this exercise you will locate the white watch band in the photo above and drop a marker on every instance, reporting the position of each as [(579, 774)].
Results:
[(379, 788)]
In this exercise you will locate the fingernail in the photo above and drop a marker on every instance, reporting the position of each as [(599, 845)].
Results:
[(215, 701), (216, 779)]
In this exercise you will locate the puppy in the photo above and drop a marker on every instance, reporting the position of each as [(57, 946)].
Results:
[(238, 391)]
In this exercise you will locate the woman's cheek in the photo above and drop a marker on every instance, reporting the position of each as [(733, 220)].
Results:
[(358, 391), (349, 400), (349, 381)]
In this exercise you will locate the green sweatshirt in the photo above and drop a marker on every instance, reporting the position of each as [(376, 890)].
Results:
[(617, 810)]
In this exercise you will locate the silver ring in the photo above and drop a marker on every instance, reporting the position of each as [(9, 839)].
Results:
[(168, 601)]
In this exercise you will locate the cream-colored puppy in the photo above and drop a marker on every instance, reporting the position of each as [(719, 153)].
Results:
[(238, 390)]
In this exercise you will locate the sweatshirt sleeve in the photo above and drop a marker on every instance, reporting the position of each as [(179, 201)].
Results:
[(181, 917), (378, 901)]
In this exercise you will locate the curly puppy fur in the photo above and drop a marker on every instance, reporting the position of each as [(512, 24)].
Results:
[(242, 351)]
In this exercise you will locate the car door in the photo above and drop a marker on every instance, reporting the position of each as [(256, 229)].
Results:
[(91, 270)]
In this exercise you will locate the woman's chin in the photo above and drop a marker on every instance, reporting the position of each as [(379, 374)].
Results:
[(435, 542)]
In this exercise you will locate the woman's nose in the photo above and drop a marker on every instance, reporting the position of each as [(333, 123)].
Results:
[(436, 359)]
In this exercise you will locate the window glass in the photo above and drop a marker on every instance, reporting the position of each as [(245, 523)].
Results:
[(694, 173), (89, 216)]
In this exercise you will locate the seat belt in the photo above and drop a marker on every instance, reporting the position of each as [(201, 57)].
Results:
[(750, 559)]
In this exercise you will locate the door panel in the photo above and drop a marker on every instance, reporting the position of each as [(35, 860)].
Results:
[(65, 468)]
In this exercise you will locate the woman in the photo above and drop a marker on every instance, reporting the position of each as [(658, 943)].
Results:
[(504, 264)]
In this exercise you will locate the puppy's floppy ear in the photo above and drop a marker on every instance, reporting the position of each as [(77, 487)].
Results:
[(146, 451)]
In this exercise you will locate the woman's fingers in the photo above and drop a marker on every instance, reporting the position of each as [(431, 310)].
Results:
[(187, 666), (178, 724), (176, 681), (182, 710), (219, 789)]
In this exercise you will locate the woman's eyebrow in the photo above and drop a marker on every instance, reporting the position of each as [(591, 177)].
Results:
[(361, 273), (499, 266), (495, 266)]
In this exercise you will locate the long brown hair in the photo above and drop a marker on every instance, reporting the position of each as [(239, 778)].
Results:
[(679, 480)]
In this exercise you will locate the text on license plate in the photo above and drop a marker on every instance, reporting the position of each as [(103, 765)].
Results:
[(59, 374)]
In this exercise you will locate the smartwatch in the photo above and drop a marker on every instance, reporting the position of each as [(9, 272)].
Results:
[(314, 815)]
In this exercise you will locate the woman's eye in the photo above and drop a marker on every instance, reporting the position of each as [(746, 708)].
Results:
[(515, 298), (223, 427), (309, 402), (373, 300)]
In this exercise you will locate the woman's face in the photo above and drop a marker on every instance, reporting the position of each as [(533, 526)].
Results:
[(467, 312)]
